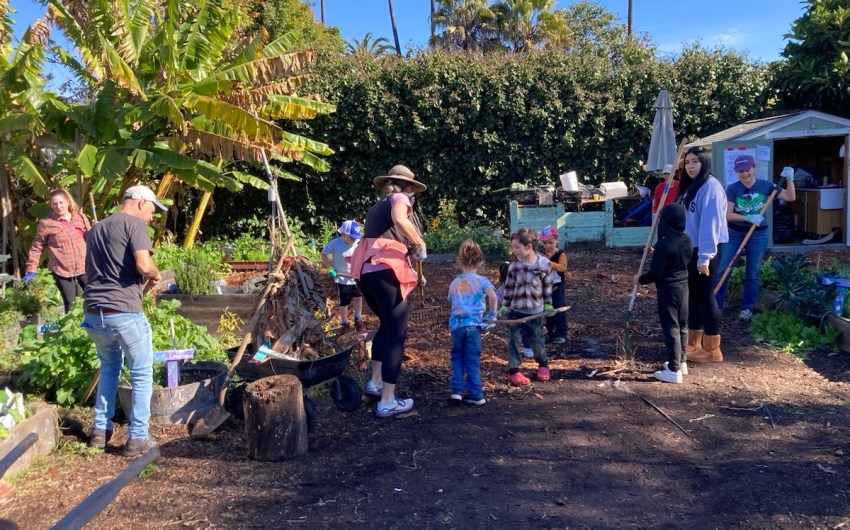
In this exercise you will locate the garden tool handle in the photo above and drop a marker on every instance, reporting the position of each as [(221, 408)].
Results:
[(746, 239), (173, 335), (421, 288), (654, 226), (530, 317), (255, 319)]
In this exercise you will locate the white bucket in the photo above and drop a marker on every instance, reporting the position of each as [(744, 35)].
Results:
[(569, 181), (614, 190)]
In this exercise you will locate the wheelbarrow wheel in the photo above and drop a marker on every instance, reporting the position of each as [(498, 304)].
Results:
[(346, 394), (311, 413)]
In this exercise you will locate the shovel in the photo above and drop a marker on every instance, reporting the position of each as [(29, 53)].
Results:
[(213, 419), (746, 239)]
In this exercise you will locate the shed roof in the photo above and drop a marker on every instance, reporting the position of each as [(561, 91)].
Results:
[(755, 128), (738, 130)]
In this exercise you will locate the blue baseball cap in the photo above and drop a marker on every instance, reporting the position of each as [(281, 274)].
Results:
[(351, 229), (744, 163)]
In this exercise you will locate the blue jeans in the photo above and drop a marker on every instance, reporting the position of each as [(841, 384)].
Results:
[(754, 252), (115, 337), (466, 359)]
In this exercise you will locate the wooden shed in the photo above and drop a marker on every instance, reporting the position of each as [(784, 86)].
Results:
[(816, 145)]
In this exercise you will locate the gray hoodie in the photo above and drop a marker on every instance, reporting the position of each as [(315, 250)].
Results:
[(705, 221)]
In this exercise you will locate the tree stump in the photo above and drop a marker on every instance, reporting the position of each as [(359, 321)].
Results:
[(275, 422)]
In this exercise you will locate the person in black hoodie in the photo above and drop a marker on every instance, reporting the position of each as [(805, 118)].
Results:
[(669, 271)]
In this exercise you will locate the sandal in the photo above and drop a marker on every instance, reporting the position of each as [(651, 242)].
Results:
[(543, 373), (517, 379)]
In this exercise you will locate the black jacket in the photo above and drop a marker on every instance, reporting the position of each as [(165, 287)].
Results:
[(673, 251)]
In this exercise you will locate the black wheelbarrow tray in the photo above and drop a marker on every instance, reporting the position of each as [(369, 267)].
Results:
[(345, 392)]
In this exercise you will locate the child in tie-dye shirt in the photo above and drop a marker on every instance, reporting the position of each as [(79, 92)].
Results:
[(470, 294)]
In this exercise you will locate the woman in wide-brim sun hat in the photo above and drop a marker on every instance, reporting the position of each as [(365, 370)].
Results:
[(385, 276)]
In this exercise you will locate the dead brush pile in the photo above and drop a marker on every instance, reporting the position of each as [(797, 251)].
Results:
[(296, 319)]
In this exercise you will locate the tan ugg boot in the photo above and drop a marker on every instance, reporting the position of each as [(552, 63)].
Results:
[(694, 339), (709, 352)]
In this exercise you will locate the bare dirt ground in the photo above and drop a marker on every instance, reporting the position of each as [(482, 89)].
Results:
[(764, 441)]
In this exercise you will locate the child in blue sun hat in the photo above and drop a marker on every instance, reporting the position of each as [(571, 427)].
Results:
[(336, 257)]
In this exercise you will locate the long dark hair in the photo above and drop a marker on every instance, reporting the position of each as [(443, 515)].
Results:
[(689, 187)]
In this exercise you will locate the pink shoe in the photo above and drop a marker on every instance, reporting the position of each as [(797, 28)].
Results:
[(543, 373), (518, 379)]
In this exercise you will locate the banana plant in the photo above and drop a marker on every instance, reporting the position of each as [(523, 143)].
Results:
[(179, 93)]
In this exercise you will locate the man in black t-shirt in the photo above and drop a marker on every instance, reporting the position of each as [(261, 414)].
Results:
[(118, 265)]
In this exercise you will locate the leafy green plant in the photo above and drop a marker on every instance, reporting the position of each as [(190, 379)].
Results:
[(63, 362), (791, 274), (446, 235), (790, 333), (10, 320), (228, 323), (198, 270), (813, 301)]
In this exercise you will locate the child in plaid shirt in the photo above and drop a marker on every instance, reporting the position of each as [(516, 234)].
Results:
[(528, 292)]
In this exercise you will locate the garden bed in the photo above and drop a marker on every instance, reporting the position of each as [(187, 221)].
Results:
[(765, 441), (44, 422)]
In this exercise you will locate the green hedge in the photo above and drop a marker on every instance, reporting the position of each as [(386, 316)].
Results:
[(471, 126)]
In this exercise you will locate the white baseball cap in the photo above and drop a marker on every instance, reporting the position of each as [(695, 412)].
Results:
[(667, 169), (143, 193)]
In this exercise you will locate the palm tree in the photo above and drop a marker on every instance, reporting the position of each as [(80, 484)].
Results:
[(174, 96), (531, 24), (26, 112), (379, 46), (467, 24), (395, 30)]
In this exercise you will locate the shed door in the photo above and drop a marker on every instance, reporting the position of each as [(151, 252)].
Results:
[(723, 155)]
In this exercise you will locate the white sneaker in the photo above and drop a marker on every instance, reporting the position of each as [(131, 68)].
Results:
[(668, 377), (374, 390), (472, 401), (528, 353), (455, 398), (745, 314), (396, 406), (683, 367)]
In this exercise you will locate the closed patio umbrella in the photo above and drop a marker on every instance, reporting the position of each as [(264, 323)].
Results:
[(662, 144)]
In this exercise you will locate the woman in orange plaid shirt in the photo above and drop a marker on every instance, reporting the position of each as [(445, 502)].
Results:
[(63, 232)]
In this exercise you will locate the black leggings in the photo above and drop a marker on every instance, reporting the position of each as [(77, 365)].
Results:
[(673, 316), (382, 293), (68, 288), (702, 304)]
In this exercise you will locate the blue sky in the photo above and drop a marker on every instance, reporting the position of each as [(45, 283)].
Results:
[(756, 30)]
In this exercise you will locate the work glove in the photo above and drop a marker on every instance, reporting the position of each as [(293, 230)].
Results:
[(787, 172), (755, 218), (503, 311), (421, 253), (486, 326), (28, 277), (490, 315), (332, 273), (547, 308)]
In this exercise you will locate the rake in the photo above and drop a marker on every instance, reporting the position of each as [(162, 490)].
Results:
[(627, 339), (422, 312)]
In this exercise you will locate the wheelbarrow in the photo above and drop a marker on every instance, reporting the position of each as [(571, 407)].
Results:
[(344, 390)]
